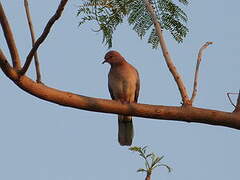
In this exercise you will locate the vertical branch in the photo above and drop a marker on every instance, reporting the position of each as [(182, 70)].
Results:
[(166, 54), (199, 59), (148, 176), (44, 35), (10, 39), (37, 66)]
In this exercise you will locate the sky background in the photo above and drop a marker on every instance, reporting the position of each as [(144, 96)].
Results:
[(43, 141)]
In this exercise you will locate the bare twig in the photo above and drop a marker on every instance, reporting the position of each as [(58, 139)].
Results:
[(166, 54), (228, 95), (10, 39), (44, 35), (199, 59), (37, 66), (237, 108)]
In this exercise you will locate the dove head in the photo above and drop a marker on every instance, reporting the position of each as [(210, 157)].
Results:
[(113, 58)]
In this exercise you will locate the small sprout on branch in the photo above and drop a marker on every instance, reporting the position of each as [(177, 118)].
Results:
[(151, 160)]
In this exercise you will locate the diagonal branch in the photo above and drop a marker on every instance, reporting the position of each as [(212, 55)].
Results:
[(199, 59), (229, 98), (10, 39), (167, 56), (44, 35), (37, 66)]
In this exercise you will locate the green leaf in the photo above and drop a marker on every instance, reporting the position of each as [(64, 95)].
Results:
[(147, 164), (164, 165), (135, 148), (141, 170), (153, 157), (185, 2), (110, 13), (156, 160), (150, 155)]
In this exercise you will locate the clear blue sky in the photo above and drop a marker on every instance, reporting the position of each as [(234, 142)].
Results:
[(44, 141)]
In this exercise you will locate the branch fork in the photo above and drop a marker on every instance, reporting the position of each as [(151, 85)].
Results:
[(35, 45), (182, 89)]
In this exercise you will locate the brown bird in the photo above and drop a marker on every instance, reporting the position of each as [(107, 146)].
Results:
[(123, 85)]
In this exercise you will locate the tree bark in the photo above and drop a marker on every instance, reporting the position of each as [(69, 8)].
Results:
[(31, 29), (10, 39), (199, 59), (182, 113), (148, 177), (167, 57)]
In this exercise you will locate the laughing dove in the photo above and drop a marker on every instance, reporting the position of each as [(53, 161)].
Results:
[(123, 85)]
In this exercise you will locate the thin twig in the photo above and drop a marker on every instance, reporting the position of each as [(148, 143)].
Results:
[(228, 95), (166, 54), (199, 59), (37, 66), (10, 39), (44, 35), (237, 108)]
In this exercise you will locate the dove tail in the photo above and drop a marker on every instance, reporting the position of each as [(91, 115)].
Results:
[(125, 130)]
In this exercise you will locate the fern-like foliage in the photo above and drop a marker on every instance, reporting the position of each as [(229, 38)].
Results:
[(151, 160), (110, 13)]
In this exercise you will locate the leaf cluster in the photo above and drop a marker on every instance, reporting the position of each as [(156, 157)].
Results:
[(110, 13), (151, 160)]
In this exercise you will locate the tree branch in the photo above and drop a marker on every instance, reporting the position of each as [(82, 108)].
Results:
[(10, 39), (44, 35), (237, 107), (199, 59), (37, 66), (166, 54), (148, 177), (229, 98), (183, 113)]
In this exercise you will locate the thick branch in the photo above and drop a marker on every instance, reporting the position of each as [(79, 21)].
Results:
[(44, 35), (167, 56), (199, 59), (10, 39), (37, 66), (184, 113)]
